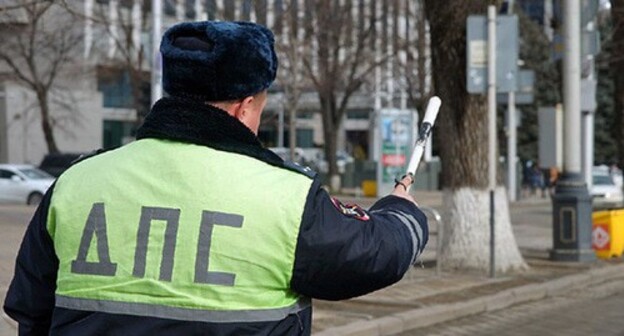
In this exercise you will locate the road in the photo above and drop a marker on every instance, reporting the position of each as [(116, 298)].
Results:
[(13, 222), (592, 311)]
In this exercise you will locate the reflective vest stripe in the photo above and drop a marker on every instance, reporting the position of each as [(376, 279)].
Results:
[(414, 228), (185, 314)]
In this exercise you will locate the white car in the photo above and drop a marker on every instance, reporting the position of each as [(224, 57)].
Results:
[(604, 191), (23, 184)]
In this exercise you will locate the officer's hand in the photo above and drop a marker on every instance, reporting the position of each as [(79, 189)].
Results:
[(401, 189)]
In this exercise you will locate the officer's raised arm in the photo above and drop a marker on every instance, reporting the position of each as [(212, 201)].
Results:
[(345, 251)]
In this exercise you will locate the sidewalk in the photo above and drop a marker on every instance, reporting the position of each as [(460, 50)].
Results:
[(423, 298)]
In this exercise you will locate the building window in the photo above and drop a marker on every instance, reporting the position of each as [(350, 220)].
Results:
[(305, 138), (269, 137), (117, 91), (305, 114), (358, 114), (117, 133), (115, 87)]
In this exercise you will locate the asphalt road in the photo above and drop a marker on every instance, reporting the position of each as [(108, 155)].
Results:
[(596, 310), (13, 222)]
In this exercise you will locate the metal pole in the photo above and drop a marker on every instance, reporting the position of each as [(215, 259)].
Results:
[(156, 36), (511, 146), (572, 208), (572, 86), (492, 128), (512, 138), (588, 150)]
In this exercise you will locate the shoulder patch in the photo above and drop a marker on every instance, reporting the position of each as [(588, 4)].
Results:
[(307, 171), (351, 210)]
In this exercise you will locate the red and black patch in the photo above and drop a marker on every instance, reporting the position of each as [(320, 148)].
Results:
[(351, 210)]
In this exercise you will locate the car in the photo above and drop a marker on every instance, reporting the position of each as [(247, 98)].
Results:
[(342, 159), (56, 163), (604, 191), (284, 153), (24, 184)]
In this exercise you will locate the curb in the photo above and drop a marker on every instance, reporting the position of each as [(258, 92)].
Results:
[(430, 315)]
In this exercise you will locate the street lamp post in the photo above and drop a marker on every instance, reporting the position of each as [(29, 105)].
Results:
[(572, 207)]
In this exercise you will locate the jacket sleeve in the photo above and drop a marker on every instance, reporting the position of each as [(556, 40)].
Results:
[(339, 256), (30, 298)]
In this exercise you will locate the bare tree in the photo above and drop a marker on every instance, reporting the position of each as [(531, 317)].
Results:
[(291, 71), (463, 149), (37, 43), (415, 67), (341, 63), (122, 23)]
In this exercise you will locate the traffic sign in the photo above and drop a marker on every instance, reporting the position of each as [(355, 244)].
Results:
[(506, 53)]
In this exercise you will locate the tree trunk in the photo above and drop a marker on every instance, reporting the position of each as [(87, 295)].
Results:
[(617, 54), (46, 125), (330, 133), (462, 129)]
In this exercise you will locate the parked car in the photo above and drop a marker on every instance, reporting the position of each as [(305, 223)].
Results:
[(55, 164), (23, 184), (342, 159), (604, 191)]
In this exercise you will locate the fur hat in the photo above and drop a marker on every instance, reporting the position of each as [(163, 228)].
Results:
[(217, 60)]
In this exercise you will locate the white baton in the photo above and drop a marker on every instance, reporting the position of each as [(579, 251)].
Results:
[(423, 135)]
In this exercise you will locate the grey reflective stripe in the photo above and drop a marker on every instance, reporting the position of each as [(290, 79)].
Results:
[(209, 220), (148, 214), (414, 228), (95, 226), (184, 314)]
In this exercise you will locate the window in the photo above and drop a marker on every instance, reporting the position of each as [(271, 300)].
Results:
[(305, 138), (115, 132), (358, 114), (115, 87), (305, 114), (5, 174)]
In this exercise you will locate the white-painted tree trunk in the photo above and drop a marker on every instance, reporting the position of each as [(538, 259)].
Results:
[(466, 240)]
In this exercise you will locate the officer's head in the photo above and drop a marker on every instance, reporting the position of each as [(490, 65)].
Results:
[(226, 64)]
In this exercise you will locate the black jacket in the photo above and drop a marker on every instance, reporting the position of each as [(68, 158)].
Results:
[(342, 251)]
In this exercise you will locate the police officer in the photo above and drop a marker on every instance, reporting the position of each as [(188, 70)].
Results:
[(195, 228)]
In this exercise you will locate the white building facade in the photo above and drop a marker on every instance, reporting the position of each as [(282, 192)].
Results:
[(116, 49)]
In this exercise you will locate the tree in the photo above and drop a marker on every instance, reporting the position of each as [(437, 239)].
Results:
[(121, 24), (617, 66), (342, 60), (37, 43), (415, 68), (463, 149), (606, 135), (291, 70), (535, 52)]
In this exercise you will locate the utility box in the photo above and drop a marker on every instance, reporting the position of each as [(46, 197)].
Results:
[(608, 233)]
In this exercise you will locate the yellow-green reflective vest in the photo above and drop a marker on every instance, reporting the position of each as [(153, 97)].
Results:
[(181, 231)]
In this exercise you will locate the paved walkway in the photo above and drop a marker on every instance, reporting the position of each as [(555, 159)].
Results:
[(424, 298)]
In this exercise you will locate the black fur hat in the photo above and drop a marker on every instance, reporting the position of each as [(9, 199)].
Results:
[(217, 60)]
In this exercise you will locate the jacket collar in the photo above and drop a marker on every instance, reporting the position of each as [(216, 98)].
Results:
[(182, 120)]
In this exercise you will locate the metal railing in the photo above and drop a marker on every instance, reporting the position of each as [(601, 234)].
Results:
[(435, 214)]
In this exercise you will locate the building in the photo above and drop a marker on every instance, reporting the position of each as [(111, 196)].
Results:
[(112, 91)]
